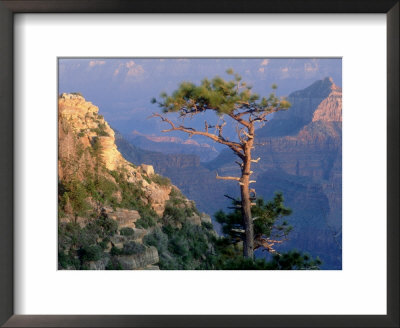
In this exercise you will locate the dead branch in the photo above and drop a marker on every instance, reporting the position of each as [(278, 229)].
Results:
[(237, 117), (219, 128), (238, 230), (234, 199), (248, 135), (239, 134), (267, 244), (238, 163), (218, 138), (227, 178)]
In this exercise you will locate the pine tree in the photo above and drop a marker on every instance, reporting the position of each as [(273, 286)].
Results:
[(270, 230), (233, 99), (270, 227)]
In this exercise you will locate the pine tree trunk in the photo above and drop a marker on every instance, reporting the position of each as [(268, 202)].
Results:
[(248, 243)]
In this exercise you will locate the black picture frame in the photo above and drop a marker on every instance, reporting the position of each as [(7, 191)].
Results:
[(10, 7)]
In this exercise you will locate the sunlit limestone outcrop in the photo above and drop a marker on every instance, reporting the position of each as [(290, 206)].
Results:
[(88, 124), (81, 127)]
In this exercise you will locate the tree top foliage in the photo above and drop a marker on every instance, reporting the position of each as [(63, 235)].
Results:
[(222, 96)]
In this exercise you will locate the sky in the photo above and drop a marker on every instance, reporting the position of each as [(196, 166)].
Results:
[(123, 87)]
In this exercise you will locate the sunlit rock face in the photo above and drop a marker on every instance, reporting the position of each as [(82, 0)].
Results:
[(330, 109), (80, 127), (88, 124), (115, 203)]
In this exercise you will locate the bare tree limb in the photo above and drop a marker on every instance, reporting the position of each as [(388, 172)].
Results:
[(240, 164), (248, 135), (267, 243), (227, 178), (220, 139), (237, 117)]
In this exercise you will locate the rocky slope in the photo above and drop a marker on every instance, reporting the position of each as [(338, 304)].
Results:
[(82, 129), (107, 205)]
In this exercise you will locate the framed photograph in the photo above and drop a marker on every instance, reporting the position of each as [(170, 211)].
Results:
[(199, 165)]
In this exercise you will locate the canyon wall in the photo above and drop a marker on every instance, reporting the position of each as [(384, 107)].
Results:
[(107, 205)]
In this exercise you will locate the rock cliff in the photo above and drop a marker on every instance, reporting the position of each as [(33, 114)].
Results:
[(107, 205), (81, 130), (330, 109)]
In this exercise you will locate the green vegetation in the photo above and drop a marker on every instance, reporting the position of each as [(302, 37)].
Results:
[(77, 246), (176, 193), (72, 198), (114, 264), (129, 248), (90, 253), (126, 231), (73, 195), (184, 246), (269, 225), (288, 261), (219, 95), (177, 210), (181, 244), (270, 229), (146, 178), (160, 180), (207, 225), (147, 220), (95, 150), (133, 198), (133, 248), (100, 130), (187, 248), (294, 260)]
